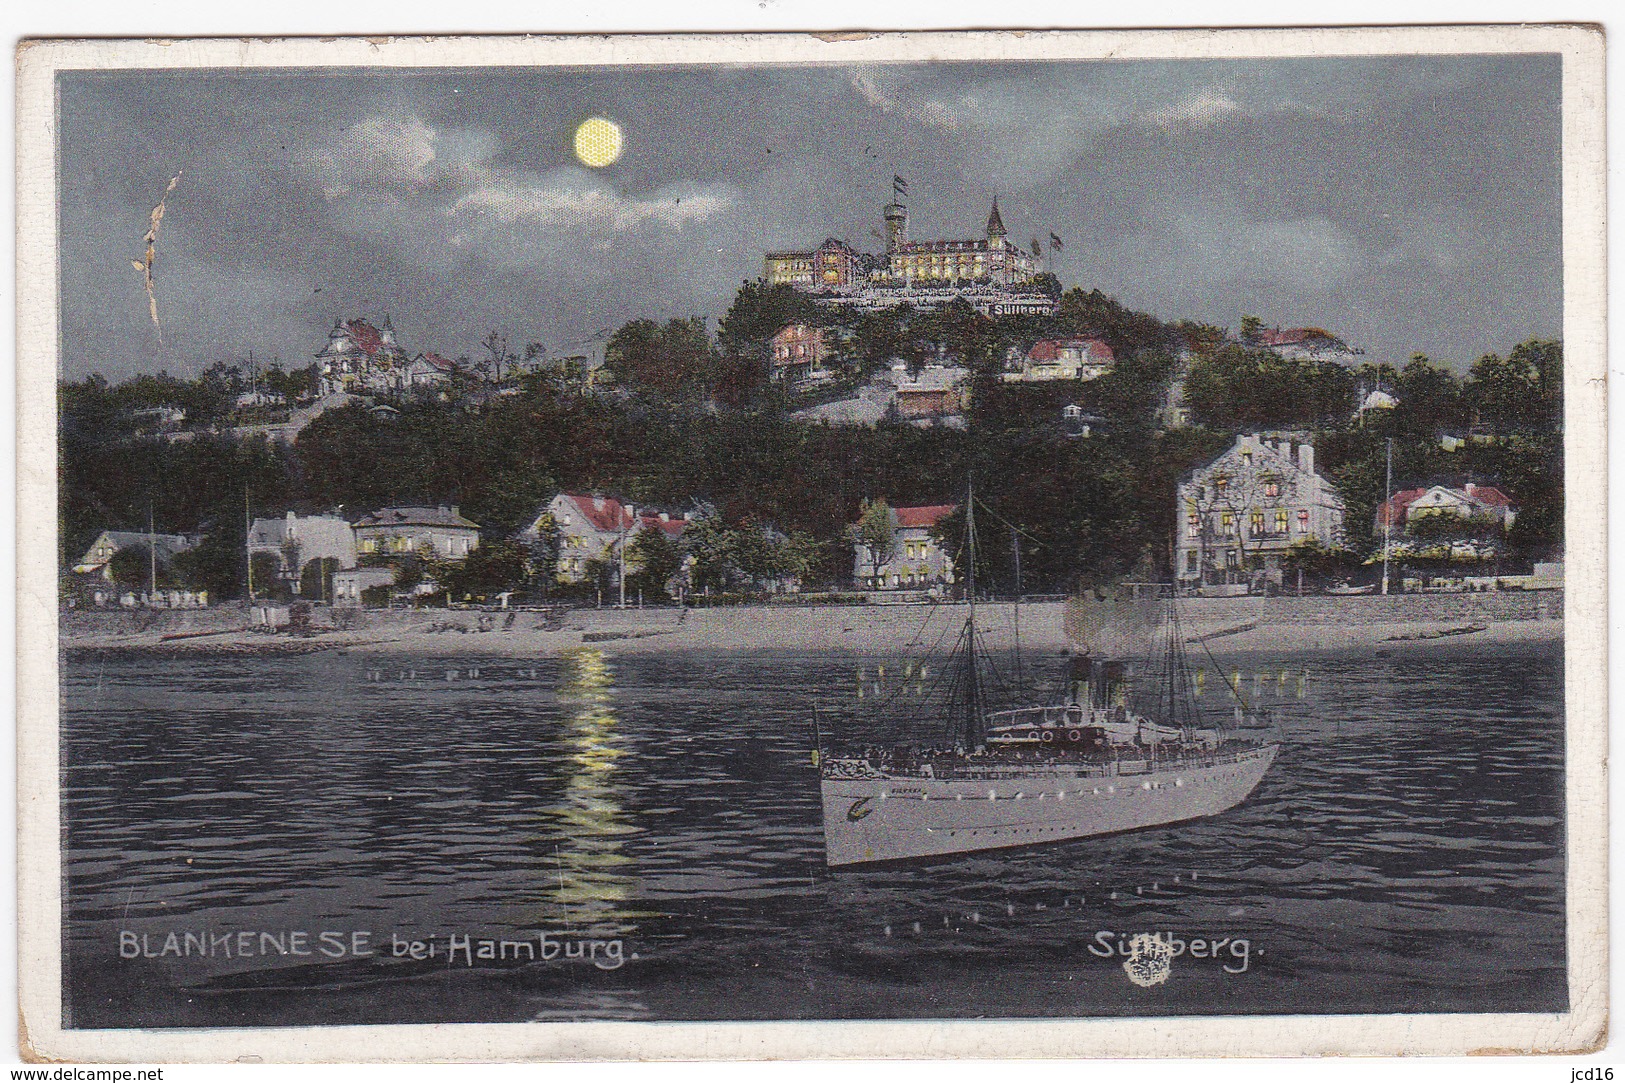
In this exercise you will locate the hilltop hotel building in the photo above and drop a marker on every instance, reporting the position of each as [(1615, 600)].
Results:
[(994, 275)]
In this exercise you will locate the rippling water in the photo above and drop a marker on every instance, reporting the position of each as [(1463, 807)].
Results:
[(1403, 854)]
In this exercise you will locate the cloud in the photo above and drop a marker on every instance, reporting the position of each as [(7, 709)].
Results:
[(376, 153), (429, 192), (930, 111), (1209, 106), (1220, 242), (569, 199)]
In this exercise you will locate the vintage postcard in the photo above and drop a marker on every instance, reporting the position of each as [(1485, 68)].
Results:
[(957, 544)]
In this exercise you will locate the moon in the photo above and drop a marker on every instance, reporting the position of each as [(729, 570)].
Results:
[(598, 142)]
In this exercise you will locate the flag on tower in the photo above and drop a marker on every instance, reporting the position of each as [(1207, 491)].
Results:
[(899, 185), (1055, 243), (1038, 249)]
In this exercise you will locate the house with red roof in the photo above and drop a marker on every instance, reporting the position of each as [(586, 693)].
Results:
[(429, 370), (361, 357), (1470, 503), (1304, 344), (594, 529), (1062, 359), (915, 559)]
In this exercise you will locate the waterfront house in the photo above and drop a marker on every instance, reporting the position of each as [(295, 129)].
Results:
[(296, 540), (98, 559), (1468, 503), (592, 529), (1445, 528), (1238, 515), (405, 530), (914, 559), (351, 584)]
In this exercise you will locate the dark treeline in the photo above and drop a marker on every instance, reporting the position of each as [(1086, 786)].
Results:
[(703, 429)]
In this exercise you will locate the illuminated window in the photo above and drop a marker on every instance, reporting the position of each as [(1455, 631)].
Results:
[(1221, 484), (1303, 522), (1228, 521), (1193, 525), (1280, 520), (1255, 522), (1272, 488)]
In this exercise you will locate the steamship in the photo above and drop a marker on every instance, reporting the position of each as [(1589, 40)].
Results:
[(1088, 764)]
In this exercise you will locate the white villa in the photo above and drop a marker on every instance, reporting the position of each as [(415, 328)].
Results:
[(1239, 514)]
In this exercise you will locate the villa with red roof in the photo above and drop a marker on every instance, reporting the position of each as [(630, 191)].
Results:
[(1062, 359), (1305, 344), (1470, 503), (429, 370), (361, 358), (916, 560), (593, 528)]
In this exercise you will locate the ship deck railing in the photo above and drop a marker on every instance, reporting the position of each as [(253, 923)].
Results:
[(1111, 768), (1057, 767)]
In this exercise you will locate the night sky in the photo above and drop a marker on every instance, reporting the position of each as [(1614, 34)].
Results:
[(1406, 204)]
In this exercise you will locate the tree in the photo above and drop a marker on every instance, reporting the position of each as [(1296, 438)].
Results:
[(491, 568), (875, 532), (499, 359), (964, 334), (1312, 557), (796, 557), (291, 386), (713, 548), (1522, 392), (1252, 330), (1046, 283), (653, 560), (759, 311), (671, 361), (1094, 313), (267, 573), (542, 554), (1429, 398), (1236, 389), (215, 564), (132, 566), (316, 578), (883, 335)]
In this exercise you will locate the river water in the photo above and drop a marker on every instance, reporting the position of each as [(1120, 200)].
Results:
[(652, 821)]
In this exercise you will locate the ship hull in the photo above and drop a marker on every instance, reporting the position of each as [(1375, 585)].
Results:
[(896, 818)]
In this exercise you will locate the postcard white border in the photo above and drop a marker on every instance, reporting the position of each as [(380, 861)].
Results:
[(1580, 1029)]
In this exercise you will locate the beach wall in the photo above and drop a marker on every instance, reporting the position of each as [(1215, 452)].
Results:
[(1231, 624), (1485, 607)]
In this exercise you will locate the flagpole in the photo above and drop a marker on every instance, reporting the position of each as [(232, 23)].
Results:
[(1387, 512)]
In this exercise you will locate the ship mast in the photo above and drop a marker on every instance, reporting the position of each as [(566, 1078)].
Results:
[(973, 689)]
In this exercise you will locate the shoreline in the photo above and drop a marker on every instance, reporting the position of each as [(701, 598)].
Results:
[(858, 630)]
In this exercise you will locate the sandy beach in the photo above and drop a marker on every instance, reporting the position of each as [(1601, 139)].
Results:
[(1235, 627)]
